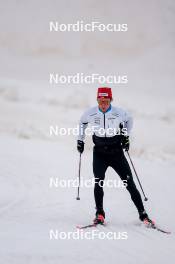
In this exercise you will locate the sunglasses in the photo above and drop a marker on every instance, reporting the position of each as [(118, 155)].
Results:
[(103, 101)]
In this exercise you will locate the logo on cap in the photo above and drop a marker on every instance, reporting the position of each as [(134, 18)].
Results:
[(104, 92)]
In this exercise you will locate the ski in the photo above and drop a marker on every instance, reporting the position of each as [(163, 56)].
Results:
[(154, 226), (89, 226), (147, 225)]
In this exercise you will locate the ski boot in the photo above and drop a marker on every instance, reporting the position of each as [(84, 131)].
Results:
[(145, 219), (100, 217)]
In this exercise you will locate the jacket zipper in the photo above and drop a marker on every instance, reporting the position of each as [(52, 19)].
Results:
[(104, 124)]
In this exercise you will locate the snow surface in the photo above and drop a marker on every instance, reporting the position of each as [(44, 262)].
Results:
[(29, 208)]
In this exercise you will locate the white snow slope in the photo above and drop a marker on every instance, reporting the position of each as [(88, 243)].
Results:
[(29, 207)]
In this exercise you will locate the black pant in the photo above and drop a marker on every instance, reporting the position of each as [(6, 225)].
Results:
[(102, 159)]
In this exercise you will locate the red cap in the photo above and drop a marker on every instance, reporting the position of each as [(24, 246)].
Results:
[(104, 92)]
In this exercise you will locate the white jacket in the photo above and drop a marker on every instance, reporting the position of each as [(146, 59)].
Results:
[(104, 124)]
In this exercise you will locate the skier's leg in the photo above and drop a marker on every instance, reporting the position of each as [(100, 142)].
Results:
[(99, 169), (121, 166)]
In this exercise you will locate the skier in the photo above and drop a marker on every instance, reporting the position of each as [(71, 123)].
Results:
[(108, 121)]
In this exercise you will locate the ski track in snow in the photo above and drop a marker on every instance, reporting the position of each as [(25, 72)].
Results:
[(27, 219)]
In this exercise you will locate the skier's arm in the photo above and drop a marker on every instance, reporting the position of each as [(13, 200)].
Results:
[(128, 120), (128, 124), (81, 135), (82, 126)]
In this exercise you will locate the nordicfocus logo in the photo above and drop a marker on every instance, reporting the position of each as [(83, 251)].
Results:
[(55, 182), (89, 131), (80, 26), (89, 235), (81, 78)]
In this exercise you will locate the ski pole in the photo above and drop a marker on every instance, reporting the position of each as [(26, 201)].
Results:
[(78, 194), (146, 199)]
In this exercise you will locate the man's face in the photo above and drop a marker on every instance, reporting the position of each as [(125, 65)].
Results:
[(103, 104)]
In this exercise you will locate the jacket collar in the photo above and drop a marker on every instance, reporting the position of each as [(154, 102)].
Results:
[(109, 108)]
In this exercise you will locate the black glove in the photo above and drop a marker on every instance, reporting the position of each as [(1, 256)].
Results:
[(125, 143), (80, 146)]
